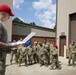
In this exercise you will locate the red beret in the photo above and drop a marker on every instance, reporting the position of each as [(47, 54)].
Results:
[(6, 9), (55, 46)]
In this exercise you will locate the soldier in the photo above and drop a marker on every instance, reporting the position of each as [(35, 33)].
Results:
[(51, 44), (5, 13), (51, 49), (13, 52), (35, 52), (72, 53), (41, 49), (47, 47), (45, 57), (22, 57), (30, 55), (18, 51), (55, 62)]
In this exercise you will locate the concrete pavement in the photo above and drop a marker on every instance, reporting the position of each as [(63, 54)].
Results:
[(37, 70)]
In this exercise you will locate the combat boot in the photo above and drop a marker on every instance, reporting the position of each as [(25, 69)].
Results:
[(46, 65), (26, 65), (16, 62), (51, 68), (73, 65), (10, 63), (59, 68), (69, 65)]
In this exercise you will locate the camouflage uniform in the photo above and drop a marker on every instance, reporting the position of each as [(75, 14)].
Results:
[(72, 53), (47, 47), (41, 49), (51, 49), (18, 52), (13, 52), (22, 56), (3, 38), (30, 55), (36, 52), (55, 62), (45, 57)]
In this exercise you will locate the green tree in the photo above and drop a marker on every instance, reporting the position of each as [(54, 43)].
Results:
[(55, 27), (32, 23), (16, 19)]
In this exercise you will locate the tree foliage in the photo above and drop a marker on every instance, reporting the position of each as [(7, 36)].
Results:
[(32, 23), (16, 19), (55, 27)]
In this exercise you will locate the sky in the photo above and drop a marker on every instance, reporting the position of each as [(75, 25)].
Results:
[(42, 12)]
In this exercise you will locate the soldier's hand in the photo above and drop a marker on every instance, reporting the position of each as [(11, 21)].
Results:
[(14, 45)]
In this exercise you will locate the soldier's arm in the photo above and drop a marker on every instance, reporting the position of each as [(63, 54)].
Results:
[(21, 53), (4, 45), (69, 49), (55, 52), (14, 48)]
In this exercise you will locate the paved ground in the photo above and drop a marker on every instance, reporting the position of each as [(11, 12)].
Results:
[(37, 70)]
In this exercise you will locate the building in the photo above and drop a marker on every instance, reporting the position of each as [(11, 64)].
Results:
[(22, 30), (66, 23), (8, 24)]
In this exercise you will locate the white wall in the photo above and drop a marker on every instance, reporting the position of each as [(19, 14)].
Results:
[(44, 33), (20, 30), (64, 8)]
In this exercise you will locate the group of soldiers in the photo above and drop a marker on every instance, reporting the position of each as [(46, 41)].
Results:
[(43, 53), (72, 54)]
